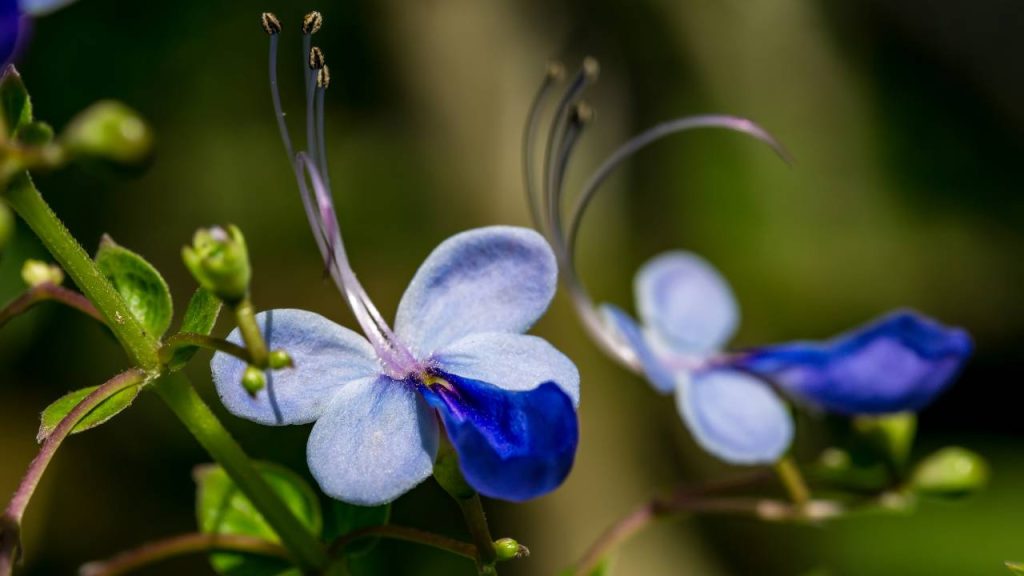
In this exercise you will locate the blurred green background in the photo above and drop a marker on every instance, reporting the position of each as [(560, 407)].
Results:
[(906, 121)]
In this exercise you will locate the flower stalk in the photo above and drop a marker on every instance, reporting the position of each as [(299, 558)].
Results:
[(181, 545)]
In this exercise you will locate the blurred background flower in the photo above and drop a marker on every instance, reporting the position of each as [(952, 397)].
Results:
[(907, 125)]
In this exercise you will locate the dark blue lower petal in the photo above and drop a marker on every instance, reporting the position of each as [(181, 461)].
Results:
[(10, 24), (895, 363), (511, 445)]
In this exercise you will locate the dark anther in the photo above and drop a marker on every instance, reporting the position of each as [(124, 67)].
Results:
[(316, 58), (271, 25), (323, 77), (312, 22)]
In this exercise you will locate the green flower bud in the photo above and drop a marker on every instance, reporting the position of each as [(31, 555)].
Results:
[(253, 380), (37, 272), (509, 549), (950, 472), (1015, 567), (891, 435), (111, 132), (6, 226), (219, 261), (279, 359)]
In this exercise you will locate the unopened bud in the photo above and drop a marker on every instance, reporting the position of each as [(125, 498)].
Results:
[(891, 435), (509, 549), (279, 359), (219, 261), (316, 58), (950, 472), (108, 131), (312, 22), (36, 273), (253, 380)]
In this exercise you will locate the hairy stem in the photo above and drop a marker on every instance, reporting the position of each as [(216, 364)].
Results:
[(393, 532), (178, 393), (29, 204), (191, 340), (160, 550), (476, 522), (43, 293), (15, 511)]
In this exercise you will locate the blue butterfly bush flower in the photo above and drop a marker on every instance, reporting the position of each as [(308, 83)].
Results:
[(730, 402), (457, 362)]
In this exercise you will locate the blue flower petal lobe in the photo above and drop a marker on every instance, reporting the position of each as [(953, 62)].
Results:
[(658, 374), (735, 416), (326, 357), (377, 440), (686, 303), (495, 279), (898, 362), (511, 445)]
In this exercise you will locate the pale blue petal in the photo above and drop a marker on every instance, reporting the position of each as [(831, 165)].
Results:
[(326, 357), (495, 279), (735, 416), (514, 362), (42, 7), (377, 440), (658, 373), (686, 303)]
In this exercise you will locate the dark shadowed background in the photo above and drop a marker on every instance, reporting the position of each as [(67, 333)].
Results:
[(906, 122)]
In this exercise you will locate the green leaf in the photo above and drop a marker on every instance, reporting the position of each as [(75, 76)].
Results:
[(200, 316), (344, 518), (139, 283), (35, 134), (17, 107), (221, 508), (603, 568), (104, 411), (1015, 567)]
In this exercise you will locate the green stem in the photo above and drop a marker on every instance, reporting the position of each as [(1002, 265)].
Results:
[(203, 424), (168, 548), (192, 340), (10, 524), (29, 204), (793, 480), (42, 293), (251, 335), (177, 393), (394, 532), (476, 521)]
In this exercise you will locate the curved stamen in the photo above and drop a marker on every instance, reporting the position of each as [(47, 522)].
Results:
[(555, 73), (586, 75), (276, 96), (652, 135), (565, 246), (397, 359), (321, 146)]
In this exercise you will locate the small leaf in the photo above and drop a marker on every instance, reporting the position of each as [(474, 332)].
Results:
[(200, 316), (35, 134), (17, 107), (221, 508), (106, 410), (344, 518), (139, 283)]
